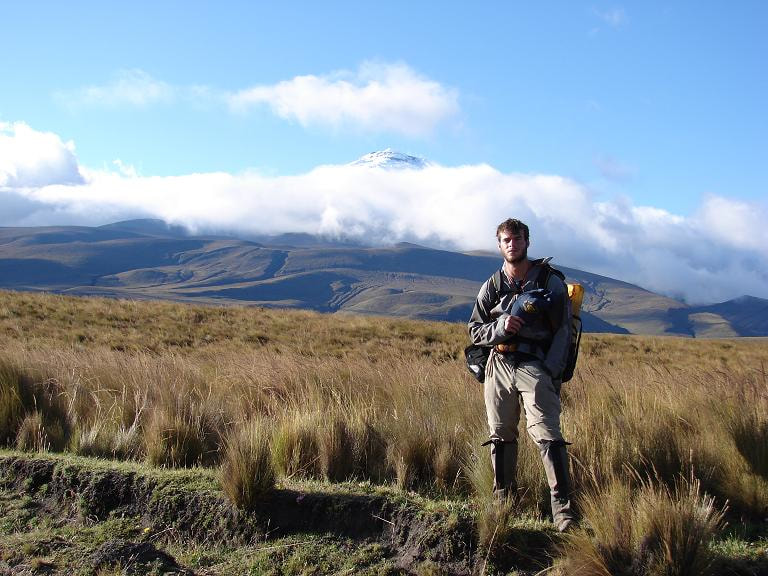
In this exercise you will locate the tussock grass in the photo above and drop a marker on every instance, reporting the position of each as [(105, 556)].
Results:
[(664, 420), (477, 467), (494, 528), (748, 428), (34, 411), (295, 448), (335, 448), (383, 400), (32, 435), (369, 450), (654, 530), (247, 471), (11, 405)]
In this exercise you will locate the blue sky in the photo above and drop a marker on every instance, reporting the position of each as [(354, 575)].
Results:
[(647, 117)]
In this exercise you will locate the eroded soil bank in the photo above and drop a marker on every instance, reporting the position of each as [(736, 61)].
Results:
[(63, 515)]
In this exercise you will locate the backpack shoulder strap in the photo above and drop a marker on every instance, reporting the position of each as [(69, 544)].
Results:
[(556, 272), (496, 279), (545, 272), (495, 286)]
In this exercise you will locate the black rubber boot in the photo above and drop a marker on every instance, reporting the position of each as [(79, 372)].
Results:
[(554, 455), (504, 461)]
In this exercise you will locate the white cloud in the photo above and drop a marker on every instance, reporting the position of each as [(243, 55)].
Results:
[(31, 158), (133, 87), (377, 98), (736, 224), (719, 253)]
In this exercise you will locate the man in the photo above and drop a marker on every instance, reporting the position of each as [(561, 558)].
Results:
[(528, 356)]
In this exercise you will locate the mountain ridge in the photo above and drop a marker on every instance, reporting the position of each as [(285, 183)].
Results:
[(150, 259)]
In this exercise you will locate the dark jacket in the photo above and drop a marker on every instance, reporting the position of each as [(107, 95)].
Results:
[(548, 337)]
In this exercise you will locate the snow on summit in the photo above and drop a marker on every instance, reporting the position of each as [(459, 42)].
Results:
[(390, 159)]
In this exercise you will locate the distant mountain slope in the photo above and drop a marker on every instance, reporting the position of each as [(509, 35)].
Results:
[(622, 304), (149, 259), (147, 227), (745, 316)]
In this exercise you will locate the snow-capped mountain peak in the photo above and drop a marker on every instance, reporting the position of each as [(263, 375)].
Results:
[(391, 159)]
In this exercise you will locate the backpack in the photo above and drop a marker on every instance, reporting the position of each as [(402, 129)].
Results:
[(477, 356)]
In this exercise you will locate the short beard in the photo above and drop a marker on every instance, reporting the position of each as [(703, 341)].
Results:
[(520, 258)]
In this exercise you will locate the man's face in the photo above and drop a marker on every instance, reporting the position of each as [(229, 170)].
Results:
[(513, 247)]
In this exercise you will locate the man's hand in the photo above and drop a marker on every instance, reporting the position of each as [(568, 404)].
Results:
[(512, 324)]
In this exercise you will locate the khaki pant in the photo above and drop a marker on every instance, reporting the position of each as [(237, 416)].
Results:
[(507, 383)]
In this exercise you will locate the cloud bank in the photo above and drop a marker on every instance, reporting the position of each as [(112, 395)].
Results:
[(720, 252)]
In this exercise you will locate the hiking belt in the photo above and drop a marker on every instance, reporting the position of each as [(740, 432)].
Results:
[(535, 348), (506, 348)]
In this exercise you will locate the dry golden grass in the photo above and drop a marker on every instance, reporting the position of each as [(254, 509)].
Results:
[(247, 472), (385, 400), (655, 530), (159, 327)]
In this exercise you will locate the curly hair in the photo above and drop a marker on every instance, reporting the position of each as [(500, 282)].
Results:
[(512, 226)]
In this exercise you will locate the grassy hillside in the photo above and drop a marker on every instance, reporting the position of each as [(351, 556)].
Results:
[(672, 433)]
